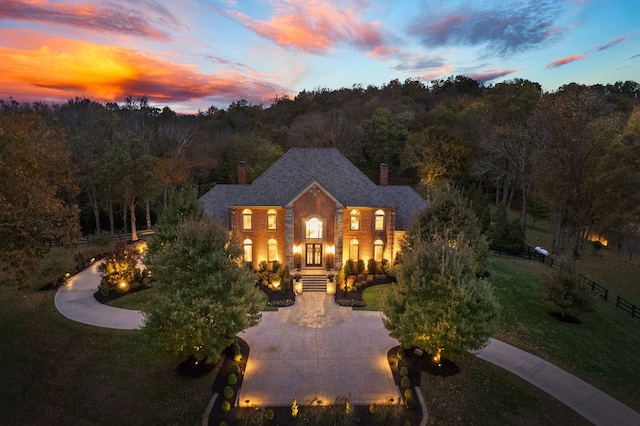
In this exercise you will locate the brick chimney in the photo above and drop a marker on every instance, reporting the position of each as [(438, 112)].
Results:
[(384, 174), (242, 173)]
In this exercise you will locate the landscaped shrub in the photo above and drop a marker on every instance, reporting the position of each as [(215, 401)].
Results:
[(361, 277), (225, 406), (408, 393), (236, 347), (373, 408), (349, 268), (400, 364), (269, 415), (370, 278), (404, 371), (235, 369), (405, 382), (275, 267), (400, 353), (361, 266), (372, 265), (225, 424), (410, 403), (232, 379), (237, 357), (120, 272), (228, 392)]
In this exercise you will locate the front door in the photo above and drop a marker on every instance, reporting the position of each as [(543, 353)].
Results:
[(314, 254)]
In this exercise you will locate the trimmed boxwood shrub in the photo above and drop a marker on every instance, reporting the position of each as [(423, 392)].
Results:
[(225, 406), (373, 408), (400, 353), (400, 364), (225, 424), (232, 379), (235, 369), (236, 347), (269, 414), (237, 357), (404, 371), (408, 393), (405, 382), (409, 403), (228, 392)]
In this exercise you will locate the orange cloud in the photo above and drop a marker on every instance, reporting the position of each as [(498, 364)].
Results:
[(60, 68), (315, 26), (564, 61), (111, 18), (382, 53)]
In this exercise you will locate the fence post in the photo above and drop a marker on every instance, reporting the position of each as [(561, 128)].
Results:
[(633, 311), (606, 293), (617, 301)]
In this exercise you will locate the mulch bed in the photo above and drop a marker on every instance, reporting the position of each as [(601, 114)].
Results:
[(279, 298), (354, 297), (113, 295)]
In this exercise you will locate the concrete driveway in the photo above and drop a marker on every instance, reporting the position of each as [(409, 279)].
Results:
[(317, 351)]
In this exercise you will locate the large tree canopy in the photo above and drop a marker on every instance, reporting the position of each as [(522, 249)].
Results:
[(438, 302), (205, 295), (37, 189)]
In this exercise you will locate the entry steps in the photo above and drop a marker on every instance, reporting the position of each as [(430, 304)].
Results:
[(314, 283)]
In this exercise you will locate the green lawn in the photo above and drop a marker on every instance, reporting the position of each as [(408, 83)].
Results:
[(56, 371), (138, 300), (372, 297), (602, 350), (485, 394)]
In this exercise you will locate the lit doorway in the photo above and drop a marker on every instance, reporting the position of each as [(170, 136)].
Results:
[(313, 254)]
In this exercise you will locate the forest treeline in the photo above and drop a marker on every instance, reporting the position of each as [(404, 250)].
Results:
[(573, 153)]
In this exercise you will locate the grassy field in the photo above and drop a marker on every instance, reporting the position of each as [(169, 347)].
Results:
[(610, 268), (372, 297), (602, 350), (56, 371)]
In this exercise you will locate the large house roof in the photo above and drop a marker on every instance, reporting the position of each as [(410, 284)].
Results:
[(299, 168)]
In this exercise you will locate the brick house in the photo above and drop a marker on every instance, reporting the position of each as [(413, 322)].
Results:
[(314, 209)]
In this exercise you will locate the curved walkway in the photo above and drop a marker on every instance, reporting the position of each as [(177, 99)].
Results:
[(318, 350), (75, 301)]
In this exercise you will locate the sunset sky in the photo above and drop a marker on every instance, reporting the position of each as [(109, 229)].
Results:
[(191, 54)]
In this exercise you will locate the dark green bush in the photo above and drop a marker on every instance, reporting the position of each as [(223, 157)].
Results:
[(405, 382), (404, 371), (232, 379), (269, 415), (409, 403), (225, 406), (400, 364), (228, 392), (236, 347), (408, 393), (361, 266), (400, 353), (372, 266), (235, 369)]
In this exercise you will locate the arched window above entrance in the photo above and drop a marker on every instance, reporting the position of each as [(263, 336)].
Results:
[(313, 228)]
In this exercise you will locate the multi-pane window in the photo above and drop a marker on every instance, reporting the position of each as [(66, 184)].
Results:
[(248, 250), (378, 249), (354, 250), (313, 228), (246, 219), (273, 250), (272, 219), (355, 220), (379, 221)]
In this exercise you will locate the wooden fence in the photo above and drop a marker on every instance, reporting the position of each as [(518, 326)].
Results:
[(85, 240), (531, 254)]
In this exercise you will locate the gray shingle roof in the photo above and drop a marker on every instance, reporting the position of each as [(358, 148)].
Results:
[(300, 167)]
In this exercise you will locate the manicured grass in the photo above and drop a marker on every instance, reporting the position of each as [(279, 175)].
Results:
[(56, 371), (485, 394), (372, 296), (139, 300), (602, 350)]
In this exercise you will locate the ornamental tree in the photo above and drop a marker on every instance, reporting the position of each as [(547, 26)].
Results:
[(205, 297), (438, 302), (565, 293)]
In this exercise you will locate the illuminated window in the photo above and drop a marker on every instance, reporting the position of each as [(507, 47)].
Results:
[(355, 220), (272, 219), (354, 250), (378, 248), (273, 250), (246, 219), (313, 228), (248, 250), (379, 225)]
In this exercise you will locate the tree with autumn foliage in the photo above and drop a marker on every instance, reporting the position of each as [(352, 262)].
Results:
[(37, 189)]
